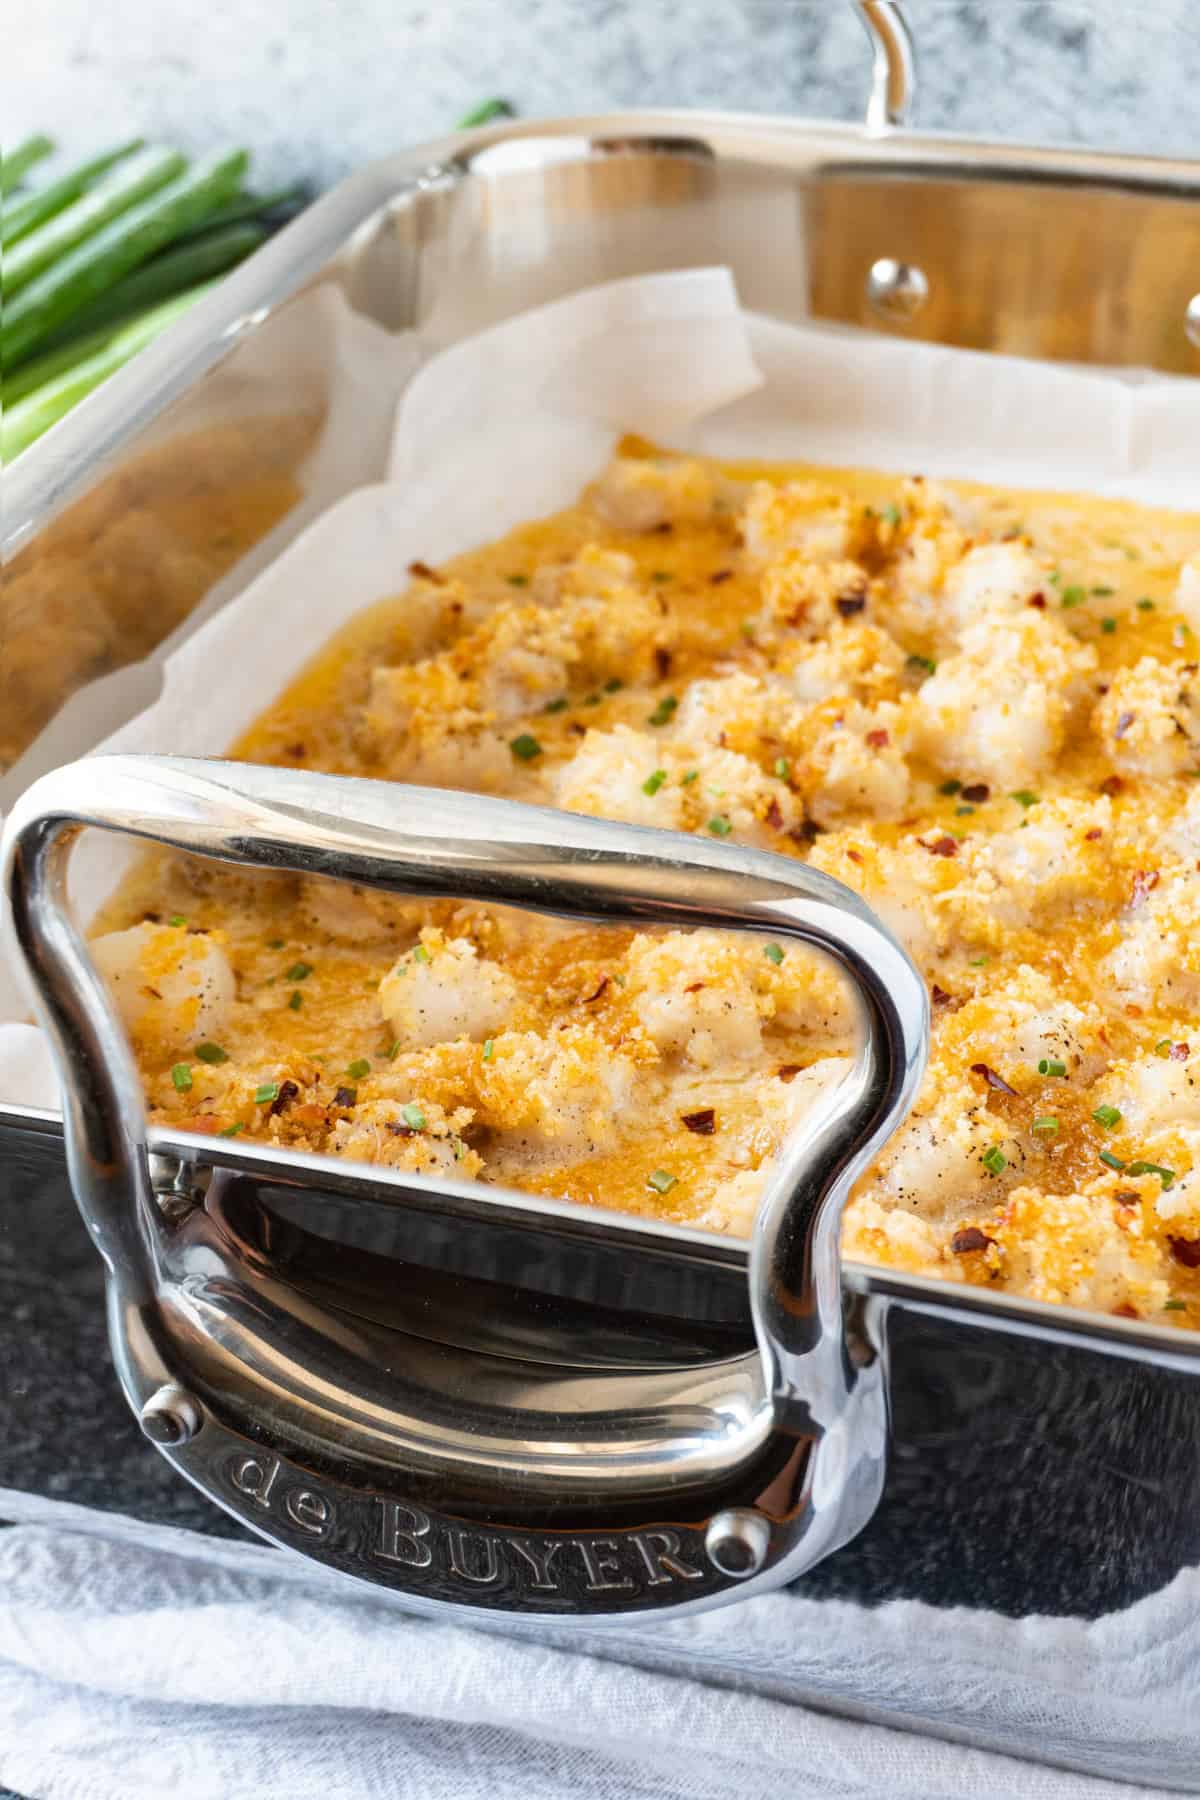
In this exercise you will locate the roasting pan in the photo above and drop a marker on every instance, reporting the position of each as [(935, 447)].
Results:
[(488, 1403)]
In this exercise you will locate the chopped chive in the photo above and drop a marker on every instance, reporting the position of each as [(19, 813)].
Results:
[(489, 1049), (976, 962), (420, 953), (1163, 1047), (1050, 1065), (1055, 577), (1145, 605), (1046, 1126), (274, 943), (557, 706), (591, 700), (613, 685), (719, 826), (526, 747), (1104, 592), (299, 971), (177, 919), (1110, 1161), (358, 1068), (660, 575), (995, 1161), (664, 711), (661, 1181), (413, 1117), (1166, 1176), (517, 580), (393, 1050), (232, 1130), (949, 788), (891, 514), (654, 781), (1024, 797), (925, 664), (181, 1075), (692, 775), (269, 1090), (773, 953), (1108, 1116), (783, 768), (297, 1000), (1174, 1305), (1108, 625), (211, 1053), (747, 630), (963, 812)]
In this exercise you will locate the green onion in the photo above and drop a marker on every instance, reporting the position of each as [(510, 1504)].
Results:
[(526, 747), (995, 1161), (1166, 1176), (1110, 1161), (661, 1182), (783, 768), (16, 165), (557, 706), (139, 178), (517, 580), (613, 685), (269, 1090), (489, 1049), (1108, 625), (247, 207), (719, 826), (1108, 1116), (1174, 1305), (181, 1076), (413, 1117), (393, 1050), (1073, 596), (177, 919), (773, 953), (1049, 1065), (1046, 1126), (1104, 592), (485, 112), (921, 664), (891, 514), (1163, 1047), (950, 788), (654, 781), (1145, 605), (232, 1130), (664, 711), (297, 1000), (358, 1068), (274, 943), (660, 575), (1024, 797), (976, 962), (687, 780), (299, 971), (45, 202), (420, 953), (211, 1053), (72, 281)]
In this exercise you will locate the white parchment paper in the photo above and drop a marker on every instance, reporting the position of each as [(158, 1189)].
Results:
[(510, 424)]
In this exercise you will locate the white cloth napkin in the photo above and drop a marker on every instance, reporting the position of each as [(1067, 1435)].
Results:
[(138, 1662)]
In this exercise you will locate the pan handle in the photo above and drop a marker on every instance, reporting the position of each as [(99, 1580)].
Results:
[(796, 1431), (894, 68)]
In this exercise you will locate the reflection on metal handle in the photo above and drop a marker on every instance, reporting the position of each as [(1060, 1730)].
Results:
[(894, 74), (432, 843)]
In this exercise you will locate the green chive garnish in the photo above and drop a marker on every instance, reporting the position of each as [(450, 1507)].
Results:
[(1163, 1047), (274, 943), (1110, 1161), (773, 953), (421, 954), (1050, 1065), (613, 685), (661, 1182), (995, 1161), (1108, 625), (517, 580), (526, 747), (692, 775), (654, 781), (181, 1075), (924, 665), (1024, 797), (950, 787), (1108, 1116), (1046, 1127), (719, 826), (413, 1117), (176, 919), (489, 1049), (891, 514), (557, 706), (1104, 592), (1174, 1305), (1166, 1176), (1145, 605), (1073, 596), (299, 971), (664, 711), (297, 1000), (783, 768), (211, 1053), (358, 1068), (232, 1130), (268, 1091)]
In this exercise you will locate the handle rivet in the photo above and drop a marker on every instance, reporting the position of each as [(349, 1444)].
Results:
[(737, 1542), (170, 1416), (896, 290), (1191, 320)]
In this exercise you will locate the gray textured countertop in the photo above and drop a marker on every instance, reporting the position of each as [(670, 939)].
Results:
[(315, 89)]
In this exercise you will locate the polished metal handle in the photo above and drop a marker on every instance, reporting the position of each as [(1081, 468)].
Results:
[(800, 1406), (894, 69)]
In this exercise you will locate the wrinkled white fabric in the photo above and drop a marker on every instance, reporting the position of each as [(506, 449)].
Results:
[(138, 1662)]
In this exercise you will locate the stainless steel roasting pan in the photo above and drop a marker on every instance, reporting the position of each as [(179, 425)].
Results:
[(488, 1401)]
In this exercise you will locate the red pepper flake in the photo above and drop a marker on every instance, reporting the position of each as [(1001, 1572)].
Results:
[(297, 752), (720, 576), (977, 793), (788, 1071), (288, 1091), (1123, 723), (662, 661), (775, 815), (940, 997), (854, 855), (1132, 1011), (1091, 836), (423, 572), (878, 740), (693, 987), (1179, 1052), (1185, 1251), (703, 1123), (968, 1239), (1144, 882), (993, 1080), (1038, 600), (589, 998), (1125, 1311), (943, 846), (1111, 785)]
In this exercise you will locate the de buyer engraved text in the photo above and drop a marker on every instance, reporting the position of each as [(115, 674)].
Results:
[(404, 1536)]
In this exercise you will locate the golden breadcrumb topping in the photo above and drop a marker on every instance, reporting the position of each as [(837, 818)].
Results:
[(978, 708)]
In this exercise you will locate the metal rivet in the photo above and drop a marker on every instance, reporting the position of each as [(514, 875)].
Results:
[(897, 290), (1191, 320), (737, 1542), (170, 1416)]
